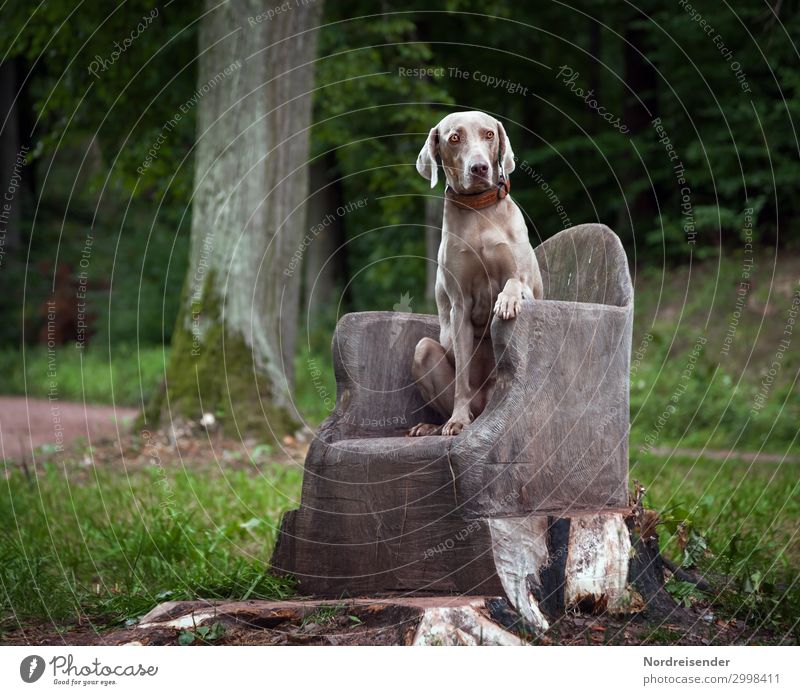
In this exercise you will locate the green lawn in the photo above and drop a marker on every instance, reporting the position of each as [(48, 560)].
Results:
[(126, 375), (109, 544)]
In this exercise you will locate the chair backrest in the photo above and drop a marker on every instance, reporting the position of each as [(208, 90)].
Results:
[(585, 264)]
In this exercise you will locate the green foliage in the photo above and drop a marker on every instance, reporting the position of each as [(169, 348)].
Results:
[(728, 115), (133, 267), (99, 84), (117, 76), (683, 592), (745, 514), (733, 131), (204, 633), (376, 122)]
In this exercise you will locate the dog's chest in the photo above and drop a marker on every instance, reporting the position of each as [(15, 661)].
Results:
[(473, 279), (484, 294), (475, 252)]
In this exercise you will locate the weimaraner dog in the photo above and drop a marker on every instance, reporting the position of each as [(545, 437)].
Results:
[(486, 266)]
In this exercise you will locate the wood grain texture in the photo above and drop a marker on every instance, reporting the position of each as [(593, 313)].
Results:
[(498, 509), (439, 620)]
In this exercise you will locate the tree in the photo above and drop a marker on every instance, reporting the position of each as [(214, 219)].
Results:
[(370, 120), (233, 345), (641, 206), (11, 155), (325, 262)]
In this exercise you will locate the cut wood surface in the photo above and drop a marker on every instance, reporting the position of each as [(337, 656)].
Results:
[(440, 620)]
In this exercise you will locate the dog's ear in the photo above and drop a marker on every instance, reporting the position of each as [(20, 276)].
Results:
[(506, 154), (426, 160)]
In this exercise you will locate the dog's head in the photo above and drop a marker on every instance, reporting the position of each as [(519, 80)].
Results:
[(470, 146)]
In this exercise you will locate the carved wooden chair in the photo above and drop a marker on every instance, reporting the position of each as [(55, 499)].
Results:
[(528, 501)]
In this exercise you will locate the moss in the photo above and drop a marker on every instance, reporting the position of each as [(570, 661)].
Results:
[(216, 374)]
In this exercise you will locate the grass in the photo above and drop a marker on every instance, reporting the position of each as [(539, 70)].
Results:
[(109, 543), (712, 396), (129, 376), (699, 348), (126, 376), (315, 386), (712, 407), (746, 515), (683, 398)]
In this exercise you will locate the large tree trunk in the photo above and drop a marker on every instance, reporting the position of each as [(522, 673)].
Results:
[(234, 343)]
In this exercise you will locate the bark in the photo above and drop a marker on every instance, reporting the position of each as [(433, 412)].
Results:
[(234, 342)]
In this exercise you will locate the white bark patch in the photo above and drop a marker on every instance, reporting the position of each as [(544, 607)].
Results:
[(184, 622), (461, 626), (597, 562), (520, 549)]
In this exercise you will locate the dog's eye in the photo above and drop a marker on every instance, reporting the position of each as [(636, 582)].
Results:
[(454, 138), (489, 135)]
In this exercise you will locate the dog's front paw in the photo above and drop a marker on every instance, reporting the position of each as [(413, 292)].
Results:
[(454, 426), (507, 305)]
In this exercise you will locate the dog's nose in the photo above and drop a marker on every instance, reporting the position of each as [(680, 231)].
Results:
[(479, 169)]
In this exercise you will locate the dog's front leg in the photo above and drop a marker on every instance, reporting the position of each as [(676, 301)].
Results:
[(509, 301), (463, 347)]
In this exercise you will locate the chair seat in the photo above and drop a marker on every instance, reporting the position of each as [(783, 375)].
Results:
[(395, 446)]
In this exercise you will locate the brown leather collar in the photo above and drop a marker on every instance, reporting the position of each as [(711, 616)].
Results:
[(478, 201)]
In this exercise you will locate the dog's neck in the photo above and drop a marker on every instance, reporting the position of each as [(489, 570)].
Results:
[(478, 201)]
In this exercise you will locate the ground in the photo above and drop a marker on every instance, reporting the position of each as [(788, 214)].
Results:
[(389, 621), (112, 527), (28, 424)]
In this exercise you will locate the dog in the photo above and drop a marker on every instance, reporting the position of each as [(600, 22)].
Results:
[(486, 267)]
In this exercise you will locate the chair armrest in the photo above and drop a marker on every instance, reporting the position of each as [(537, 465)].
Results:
[(555, 433), (375, 394)]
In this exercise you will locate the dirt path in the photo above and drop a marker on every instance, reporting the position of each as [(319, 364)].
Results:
[(28, 423)]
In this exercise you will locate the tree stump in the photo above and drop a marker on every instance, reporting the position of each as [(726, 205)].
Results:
[(529, 502)]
